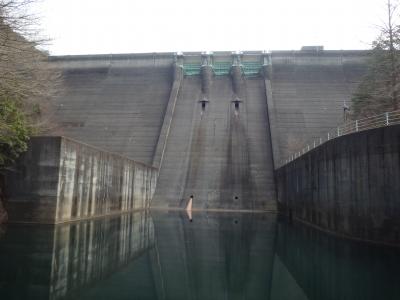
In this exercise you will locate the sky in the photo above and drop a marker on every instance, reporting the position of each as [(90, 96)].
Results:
[(132, 26)]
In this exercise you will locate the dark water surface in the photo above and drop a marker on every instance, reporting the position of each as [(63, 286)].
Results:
[(161, 255)]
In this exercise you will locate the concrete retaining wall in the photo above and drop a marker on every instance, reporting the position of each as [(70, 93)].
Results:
[(61, 180), (349, 186)]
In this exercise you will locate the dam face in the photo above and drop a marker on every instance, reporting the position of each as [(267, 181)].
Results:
[(216, 125), (218, 144)]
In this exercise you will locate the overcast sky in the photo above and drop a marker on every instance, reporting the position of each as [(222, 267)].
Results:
[(132, 26)]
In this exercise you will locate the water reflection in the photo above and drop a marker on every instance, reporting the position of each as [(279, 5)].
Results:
[(163, 255), (217, 256), (326, 267), (53, 262)]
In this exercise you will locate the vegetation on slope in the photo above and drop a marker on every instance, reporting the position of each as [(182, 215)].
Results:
[(26, 82), (379, 90)]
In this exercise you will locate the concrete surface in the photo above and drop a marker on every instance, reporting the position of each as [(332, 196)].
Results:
[(143, 106), (308, 90), (61, 180), (220, 155), (348, 186), (116, 104)]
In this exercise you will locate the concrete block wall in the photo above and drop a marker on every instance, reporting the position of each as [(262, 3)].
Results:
[(60, 180), (348, 186)]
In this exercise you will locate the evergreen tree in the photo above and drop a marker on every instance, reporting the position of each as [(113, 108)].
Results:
[(379, 90)]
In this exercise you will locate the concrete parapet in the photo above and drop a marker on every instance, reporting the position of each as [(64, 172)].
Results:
[(59, 180), (348, 186), (321, 58), (143, 60)]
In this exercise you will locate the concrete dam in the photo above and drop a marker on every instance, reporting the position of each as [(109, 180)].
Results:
[(216, 124), (137, 134)]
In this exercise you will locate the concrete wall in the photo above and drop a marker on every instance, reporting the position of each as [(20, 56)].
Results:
[(307, 93), (114, 102), (118, 102), (219, 154), (349, 186), (60, 180)]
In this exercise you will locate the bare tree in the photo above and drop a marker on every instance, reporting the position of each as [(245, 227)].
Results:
[(27, 83), (379, 90)]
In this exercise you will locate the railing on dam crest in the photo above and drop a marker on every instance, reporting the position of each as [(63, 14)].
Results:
[(377, 121)]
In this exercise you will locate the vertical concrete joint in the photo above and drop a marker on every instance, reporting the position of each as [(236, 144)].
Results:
[(178, 59), (178, 72), (267, 65)]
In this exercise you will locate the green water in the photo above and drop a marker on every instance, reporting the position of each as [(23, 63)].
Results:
[(162, 255)]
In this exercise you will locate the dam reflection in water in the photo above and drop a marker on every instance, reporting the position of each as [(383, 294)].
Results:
[(161, 255)]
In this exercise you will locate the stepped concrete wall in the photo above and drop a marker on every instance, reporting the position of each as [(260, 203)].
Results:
[(348, 186), (60, 180)]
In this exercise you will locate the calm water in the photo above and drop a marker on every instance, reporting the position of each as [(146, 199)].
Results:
[(161, 255)]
